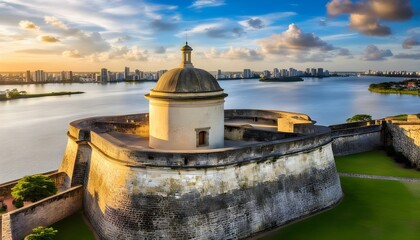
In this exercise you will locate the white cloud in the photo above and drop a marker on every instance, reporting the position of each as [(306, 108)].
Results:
[(25, 24), (136, 54), (235, 53), (55, 22), (207, 3), (74, 53)]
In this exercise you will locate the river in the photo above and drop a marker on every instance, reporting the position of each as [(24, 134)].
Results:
[(33, 131)]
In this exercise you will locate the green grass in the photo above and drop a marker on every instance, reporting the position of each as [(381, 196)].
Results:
[(72, 228), (395, 91), (373, 163), (371, 209), (402, 117)]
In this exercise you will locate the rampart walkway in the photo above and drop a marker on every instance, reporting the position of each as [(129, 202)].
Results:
[(401, 179)]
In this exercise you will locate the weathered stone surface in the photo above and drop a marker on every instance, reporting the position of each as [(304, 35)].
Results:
[(19, 223), (406, 139), (355, 138), (226, 193), (212, 203)]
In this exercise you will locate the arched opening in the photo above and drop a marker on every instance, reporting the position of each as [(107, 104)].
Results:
[(202, 138)]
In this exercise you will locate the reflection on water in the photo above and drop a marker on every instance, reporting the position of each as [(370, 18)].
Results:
[(33, 131)]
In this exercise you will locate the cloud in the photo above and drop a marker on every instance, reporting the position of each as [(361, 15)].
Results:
[(74, 53), (207, 3), (160, 50), (223, 29), (28, 25), (255, 23), (136, 54), (292, 38), (298, 46), (160, 25), (88, 43), (48, 39), (55, 22), (368, 25), (38, 51), (414, 56), (366, 15), (411, 42), (344, 52), (237, 53), (373, 53)]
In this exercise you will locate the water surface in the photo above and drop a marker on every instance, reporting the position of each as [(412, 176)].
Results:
[(33, 131)]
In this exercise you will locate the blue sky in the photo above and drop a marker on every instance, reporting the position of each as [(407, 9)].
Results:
[(225, 34)]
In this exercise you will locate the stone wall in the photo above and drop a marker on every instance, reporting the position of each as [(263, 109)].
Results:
[(220, 202), (135, 193), (356, 138), (250, 134), (19, 223), (406, 139)]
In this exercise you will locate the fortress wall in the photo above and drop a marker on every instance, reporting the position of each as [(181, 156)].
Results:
[(250, 134), (219, 202), (114, 149), (19, 223), (75, 162), (406, 139), (356, 139)]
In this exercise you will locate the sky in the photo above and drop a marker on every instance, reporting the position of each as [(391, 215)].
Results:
[(339, 35)]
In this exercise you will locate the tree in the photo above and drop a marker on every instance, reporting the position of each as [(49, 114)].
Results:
[(33, 188), (359, 118), (41, 233)]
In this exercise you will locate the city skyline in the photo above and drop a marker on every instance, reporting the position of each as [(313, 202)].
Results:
[(339, 35)]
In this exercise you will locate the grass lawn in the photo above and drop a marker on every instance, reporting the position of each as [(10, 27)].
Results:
[(373, 163), (371, 209), (72, 228)]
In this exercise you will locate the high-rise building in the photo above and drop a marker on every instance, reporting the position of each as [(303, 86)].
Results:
[(267, 74), (276, 73), (320, 72), (28, 76), (283, 73), (126, 73), (120, 76), (138, 75), (71, 75), (247, 73), (292, 72), (219, 74), (39, 76), (313, 72), (104, 75)]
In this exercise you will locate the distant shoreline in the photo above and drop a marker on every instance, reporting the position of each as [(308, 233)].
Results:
[(397, 87), (36, 95), (282, 79)]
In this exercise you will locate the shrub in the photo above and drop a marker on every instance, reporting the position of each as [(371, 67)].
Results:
[(41, 233), (17, 203), (3, 207), (33, 188), (359, 118)]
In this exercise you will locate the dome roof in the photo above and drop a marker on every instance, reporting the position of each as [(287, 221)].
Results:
[(187, 80)]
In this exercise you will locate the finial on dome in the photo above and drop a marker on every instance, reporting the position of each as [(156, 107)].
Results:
[(186, 56)]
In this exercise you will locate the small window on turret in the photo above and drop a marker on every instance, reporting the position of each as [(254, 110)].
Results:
[(202, 137)]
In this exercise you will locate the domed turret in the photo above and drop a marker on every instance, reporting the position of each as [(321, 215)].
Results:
[(186, 79), (186, 108)]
